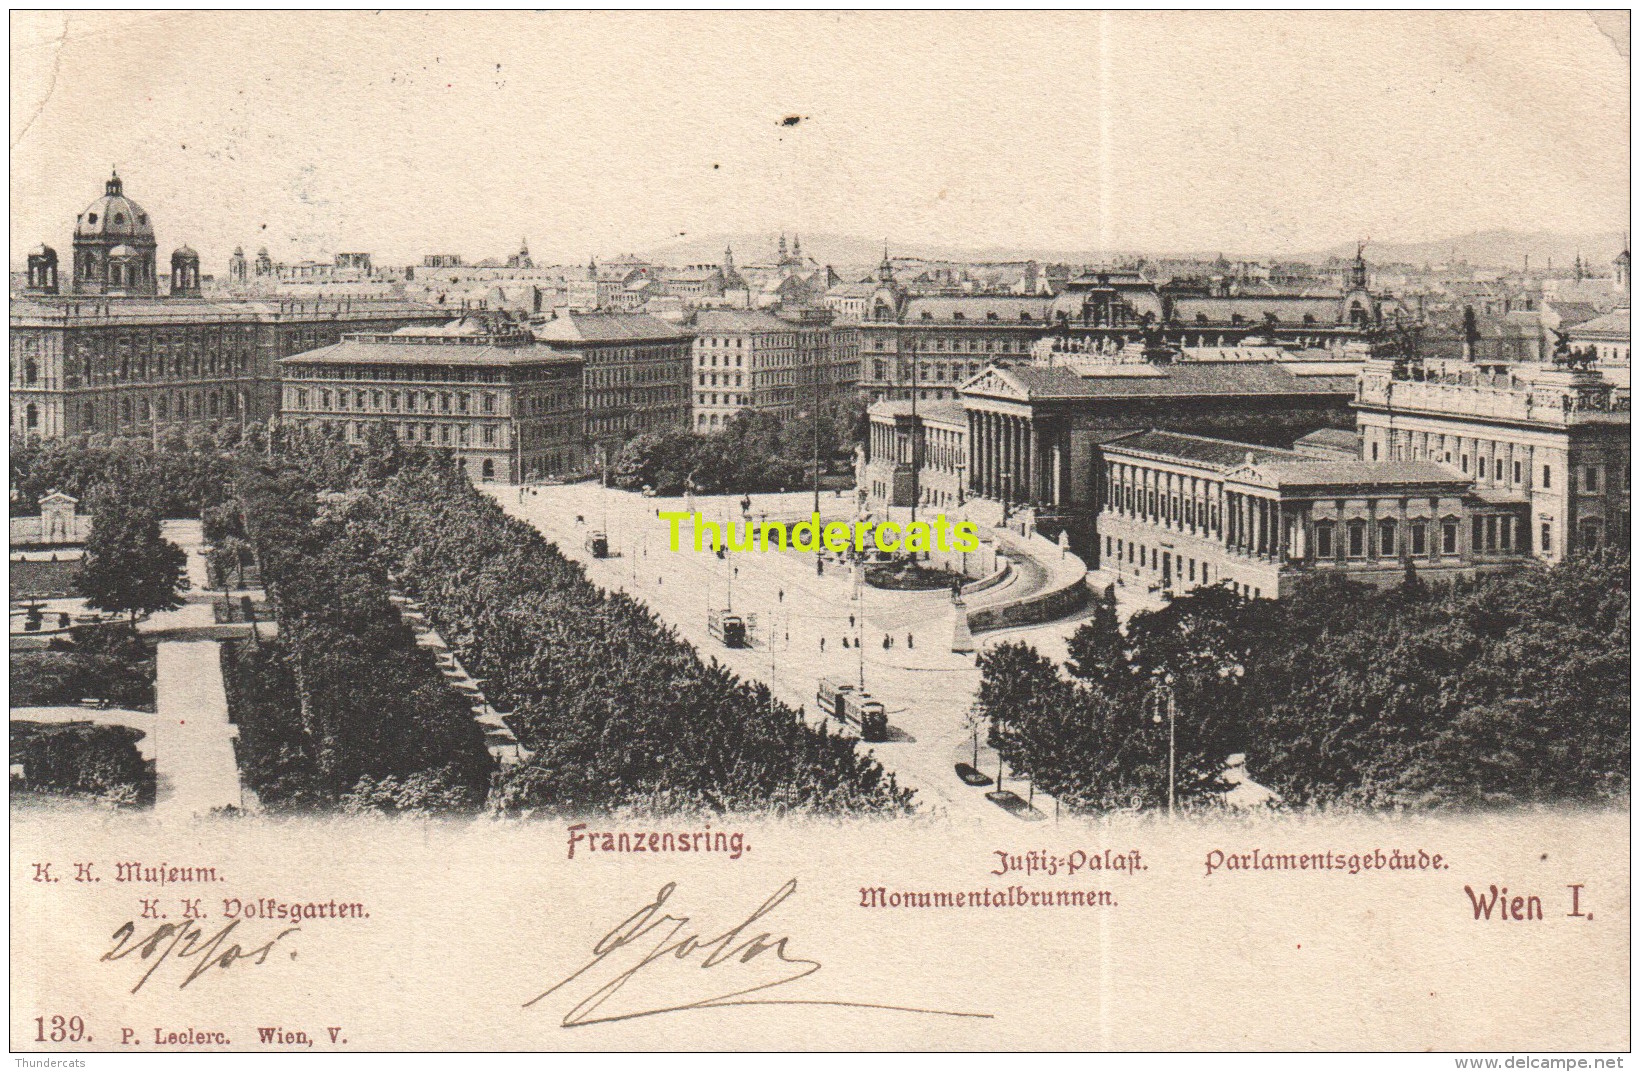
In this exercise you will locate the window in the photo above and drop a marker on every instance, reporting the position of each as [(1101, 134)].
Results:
[(1591, 478), (1449, 537), (1323, 539), (1517, 472), (1375, 450), (1358, 539), (1418, 533), (1463, 463), (1476, 540), (1498, 471), (1546, 483), (1386, 539)]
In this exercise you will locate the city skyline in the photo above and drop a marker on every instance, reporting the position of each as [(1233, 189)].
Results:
[(692, 135)]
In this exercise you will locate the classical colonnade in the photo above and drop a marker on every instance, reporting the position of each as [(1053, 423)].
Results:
[(1013, 459)]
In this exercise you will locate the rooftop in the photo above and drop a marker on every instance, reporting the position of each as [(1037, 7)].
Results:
[(1615, 322), (965, 310), (608, 328), (433, 349), (1321, 473), (1275, 467), (731, 320), (90, 310), (1222, 454), (939, 411), (1145, 380)]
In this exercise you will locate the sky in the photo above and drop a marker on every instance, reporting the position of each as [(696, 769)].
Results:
[(408, 133)]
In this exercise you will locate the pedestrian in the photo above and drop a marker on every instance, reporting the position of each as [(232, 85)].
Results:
[(823, 644), (851, 621), (909, 642), (887, 643), (782, 593), (845, 642)]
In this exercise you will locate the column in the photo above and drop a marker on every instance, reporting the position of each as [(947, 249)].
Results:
[(993, 477), (1019, 459), (1006, 428), (1058, 467), (1033, 460), (981, 460), (968, 446)]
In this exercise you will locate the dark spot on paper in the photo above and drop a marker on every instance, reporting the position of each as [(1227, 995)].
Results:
[(792, 120)]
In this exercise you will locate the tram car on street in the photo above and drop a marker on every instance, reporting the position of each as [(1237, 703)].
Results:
[(727, 629)]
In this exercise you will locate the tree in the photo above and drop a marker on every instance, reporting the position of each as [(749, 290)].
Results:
[(1097, 649), (129, 567)]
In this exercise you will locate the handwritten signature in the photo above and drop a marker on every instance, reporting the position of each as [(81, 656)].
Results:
[(186, 941), (652, 936)]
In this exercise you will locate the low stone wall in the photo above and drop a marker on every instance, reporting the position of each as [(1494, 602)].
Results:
[(35, 532), (1065, 592)]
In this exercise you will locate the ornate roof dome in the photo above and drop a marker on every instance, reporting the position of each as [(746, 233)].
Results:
[(185, 250), (42, 250), (113, 215)]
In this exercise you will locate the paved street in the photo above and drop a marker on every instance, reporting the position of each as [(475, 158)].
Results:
[(926, 689), (193, 739)]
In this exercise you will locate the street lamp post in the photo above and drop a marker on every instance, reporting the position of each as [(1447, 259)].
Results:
[(1163, 694)]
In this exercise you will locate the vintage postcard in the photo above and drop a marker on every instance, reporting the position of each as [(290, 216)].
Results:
[(859, 531)]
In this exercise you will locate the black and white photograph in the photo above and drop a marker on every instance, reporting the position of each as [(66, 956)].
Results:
[(584, 434)]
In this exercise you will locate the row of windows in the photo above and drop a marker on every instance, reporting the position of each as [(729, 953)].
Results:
[(1173, 567), (613, 377), (642, 396), (389, 401), (397, 373), (126, 411), (955, 346), (928, 371), (454, 435), (1490, 461)]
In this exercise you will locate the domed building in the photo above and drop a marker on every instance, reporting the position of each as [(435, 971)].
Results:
[(114, 246)]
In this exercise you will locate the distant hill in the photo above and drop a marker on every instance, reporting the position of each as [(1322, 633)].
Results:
[(847, 251), (1492, 249)]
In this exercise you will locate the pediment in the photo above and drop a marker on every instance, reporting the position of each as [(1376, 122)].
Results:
[(995, 383)]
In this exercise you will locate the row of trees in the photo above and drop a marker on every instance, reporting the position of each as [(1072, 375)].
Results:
[(344, 700), (616, 709), (753, 452), (176, 480), (1504, 690)]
